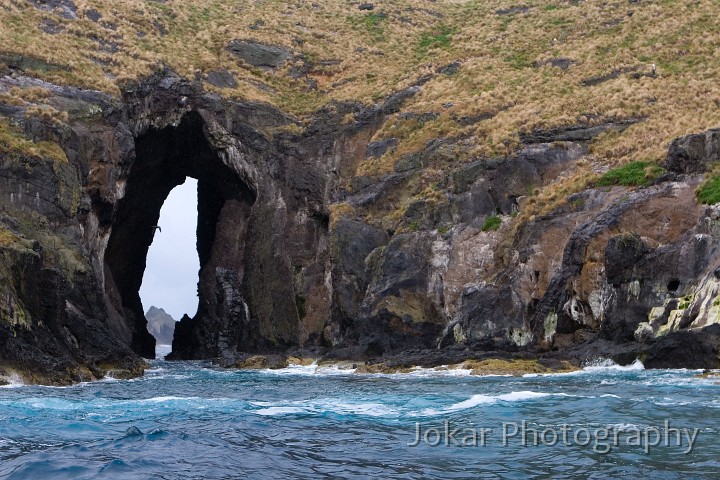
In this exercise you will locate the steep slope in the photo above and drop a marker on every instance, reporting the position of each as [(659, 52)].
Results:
[(453, 179)]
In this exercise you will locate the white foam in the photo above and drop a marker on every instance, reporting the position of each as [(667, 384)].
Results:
[(672, 404), (334, 370), (441, 371), (520, 396), (154, 370), (482, 399), (313, 369), (44, 403), (14, 381), (293, 370), (157, 377), (473, 401), (600, 362), (167, 399), (329, 405), (604, 364), (601, 365), (365, 409), (274, 411)]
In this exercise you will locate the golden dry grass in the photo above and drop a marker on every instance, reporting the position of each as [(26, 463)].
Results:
[(13, 143), (340, 210), (505, 62)]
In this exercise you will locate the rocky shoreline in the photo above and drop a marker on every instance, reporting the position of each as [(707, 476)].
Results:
[(692, 351), (299, 251)]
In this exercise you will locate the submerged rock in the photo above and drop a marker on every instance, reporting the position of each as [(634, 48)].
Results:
[(133, 431)]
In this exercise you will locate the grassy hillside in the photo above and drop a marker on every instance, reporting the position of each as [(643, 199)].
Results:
[(521, 65)]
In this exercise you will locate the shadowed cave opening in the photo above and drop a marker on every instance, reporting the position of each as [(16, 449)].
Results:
[(164, 159)]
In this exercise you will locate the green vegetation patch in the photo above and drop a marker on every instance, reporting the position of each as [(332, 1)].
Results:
[(709, 192), (493, 222), (634, 174), (441, 37), (372, 22)]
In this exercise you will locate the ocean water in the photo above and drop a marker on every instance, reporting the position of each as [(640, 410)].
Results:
[(190, 420)]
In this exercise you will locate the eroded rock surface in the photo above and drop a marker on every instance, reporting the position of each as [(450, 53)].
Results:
[(258, 54), (298, 256)]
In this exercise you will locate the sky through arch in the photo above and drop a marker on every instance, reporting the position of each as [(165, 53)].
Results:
[(171, 275)]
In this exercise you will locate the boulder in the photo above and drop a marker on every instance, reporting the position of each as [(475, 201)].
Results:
[(259, 54)]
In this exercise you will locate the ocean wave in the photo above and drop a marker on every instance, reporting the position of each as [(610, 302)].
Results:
[(365, 409), (326, 406), (170, 398), (671, 403), (471, 402), (42, 403), (597, 366), (483, 399), (605, 364), (109, 407), (14, 381), (169, 376), (273, 411), (520, 396)]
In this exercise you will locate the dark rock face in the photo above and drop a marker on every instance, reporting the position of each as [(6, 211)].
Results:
[(592, 81), (689, 349), (66, 8), (378, 149), (395, 101), (50, 26), (578, 133), (221, 79), (93, 14), (286, 265), (353, 242), (693, 154), (560, 62), (259, 54)]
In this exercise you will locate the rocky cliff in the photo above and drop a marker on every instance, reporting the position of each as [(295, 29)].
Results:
[(160, 325), (300, 253)]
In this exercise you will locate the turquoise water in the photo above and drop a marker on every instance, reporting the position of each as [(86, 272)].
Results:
[(190, 420)]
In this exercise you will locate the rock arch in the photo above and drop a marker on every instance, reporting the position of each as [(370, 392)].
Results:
[(164, 158)]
